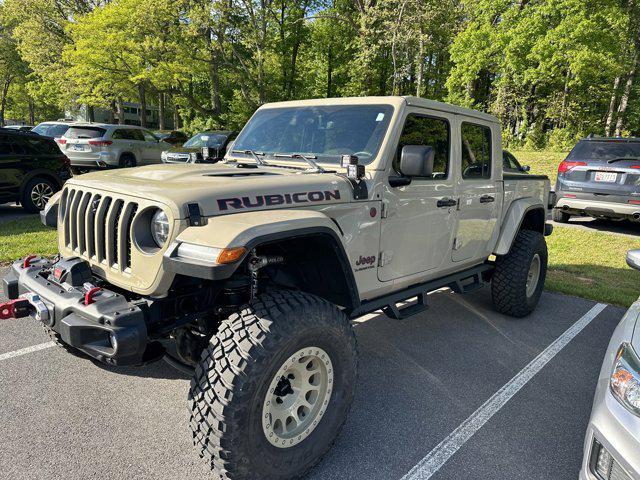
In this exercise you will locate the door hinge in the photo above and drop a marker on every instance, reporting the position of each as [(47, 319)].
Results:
[(386, 258), (384, 210)]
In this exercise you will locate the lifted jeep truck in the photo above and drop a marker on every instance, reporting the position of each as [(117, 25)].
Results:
[(247, 272)]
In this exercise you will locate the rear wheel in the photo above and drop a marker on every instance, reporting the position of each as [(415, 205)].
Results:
[(273, 388), (519, 276), (560, 216), (37, 193), (127, 160)]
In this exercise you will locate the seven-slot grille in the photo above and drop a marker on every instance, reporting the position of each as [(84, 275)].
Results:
[(97, 227)]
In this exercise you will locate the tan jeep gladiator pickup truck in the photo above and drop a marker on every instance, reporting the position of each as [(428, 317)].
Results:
[(247, 272)]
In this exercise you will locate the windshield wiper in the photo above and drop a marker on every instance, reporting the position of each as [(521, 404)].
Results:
[(614, 160), (255, 156), (310, 159)]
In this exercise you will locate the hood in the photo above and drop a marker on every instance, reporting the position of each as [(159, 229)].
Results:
[(219, 188)]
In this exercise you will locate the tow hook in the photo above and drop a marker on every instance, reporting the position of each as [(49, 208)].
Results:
[(24, 306)]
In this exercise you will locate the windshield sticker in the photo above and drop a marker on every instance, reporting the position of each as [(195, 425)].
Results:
[(277, 199), (380, 117)]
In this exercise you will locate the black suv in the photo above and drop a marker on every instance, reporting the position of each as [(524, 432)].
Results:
[(32, 168), (600, 178)]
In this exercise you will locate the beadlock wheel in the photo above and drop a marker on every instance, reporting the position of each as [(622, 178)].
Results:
[(533, 275), (297, 397)]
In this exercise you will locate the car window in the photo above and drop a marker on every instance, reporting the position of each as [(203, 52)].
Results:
[(509, 163), (476, 151), (5, 146), (428, 131), (85, 132), (136, 134), (604, 150), (122, 134), (149, 137), (55, 130), (206, 139)]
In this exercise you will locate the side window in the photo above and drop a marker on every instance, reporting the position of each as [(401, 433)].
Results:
[(476, 151), (149, 137), (121, 135), (509, 163), (428, 131), (136, 134), (5, 146)]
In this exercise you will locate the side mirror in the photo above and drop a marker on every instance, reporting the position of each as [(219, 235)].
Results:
[(416, 161), (525, 168), (633, 259)]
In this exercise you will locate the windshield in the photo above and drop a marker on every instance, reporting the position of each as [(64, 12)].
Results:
[(605, 150), (55, 130), (326, 132), (200, 140)]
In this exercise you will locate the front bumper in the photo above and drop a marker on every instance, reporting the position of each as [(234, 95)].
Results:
[(112, 329)]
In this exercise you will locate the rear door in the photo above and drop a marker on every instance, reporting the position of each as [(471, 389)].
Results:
[(11, 173), (480, 196)]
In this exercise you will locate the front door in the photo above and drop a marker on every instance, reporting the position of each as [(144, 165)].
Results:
[(419, 218), (480, 198)]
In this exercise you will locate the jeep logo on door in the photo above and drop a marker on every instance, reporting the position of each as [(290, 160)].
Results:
[(363, 263), (277, 199)]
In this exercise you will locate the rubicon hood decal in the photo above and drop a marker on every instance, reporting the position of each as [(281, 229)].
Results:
[(277, 199)]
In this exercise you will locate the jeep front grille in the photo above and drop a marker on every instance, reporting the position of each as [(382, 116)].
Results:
[(97, 227)]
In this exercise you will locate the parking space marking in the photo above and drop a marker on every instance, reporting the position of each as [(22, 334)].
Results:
[(437, 457), (24, 351)]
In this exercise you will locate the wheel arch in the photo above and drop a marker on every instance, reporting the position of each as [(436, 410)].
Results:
[(523, 214)]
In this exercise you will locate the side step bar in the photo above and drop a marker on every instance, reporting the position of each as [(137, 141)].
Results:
[(461, 282)]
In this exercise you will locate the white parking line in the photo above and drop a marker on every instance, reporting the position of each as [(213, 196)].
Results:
[(437, 457), (24, 351)]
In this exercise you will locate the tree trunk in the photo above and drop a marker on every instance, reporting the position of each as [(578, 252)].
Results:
[(112, 112), (120, 107), (612, 107), (32, 112), (624, 100), (329, 72), (91, 115), (161, 125), (176, 115), (3, 101), (420, 62), (142, 111)]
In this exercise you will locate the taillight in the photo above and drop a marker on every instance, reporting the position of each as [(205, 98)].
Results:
[(635, 166), (61, 141), (565, 166), (634, 202), (100, 143)]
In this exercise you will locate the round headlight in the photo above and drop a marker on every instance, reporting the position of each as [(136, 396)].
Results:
[(160, 228)]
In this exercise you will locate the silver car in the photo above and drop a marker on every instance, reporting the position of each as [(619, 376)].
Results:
[(101, 145), (612, 443)]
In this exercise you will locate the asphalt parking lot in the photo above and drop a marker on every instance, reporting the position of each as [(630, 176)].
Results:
[(11, 211), (419, 380)]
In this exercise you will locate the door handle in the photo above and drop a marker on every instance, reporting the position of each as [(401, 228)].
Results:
[(447, 202), (487, 199)]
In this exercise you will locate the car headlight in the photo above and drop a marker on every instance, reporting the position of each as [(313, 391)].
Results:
[(160, 228), (625, 379)]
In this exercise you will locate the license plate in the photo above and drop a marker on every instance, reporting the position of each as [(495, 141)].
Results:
[(606, 177), (78, 148)]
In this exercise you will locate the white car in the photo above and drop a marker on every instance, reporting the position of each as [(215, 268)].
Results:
[(612, 443), (51, 129), (103, 145)]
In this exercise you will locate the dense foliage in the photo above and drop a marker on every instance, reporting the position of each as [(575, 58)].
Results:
[(550, 69)]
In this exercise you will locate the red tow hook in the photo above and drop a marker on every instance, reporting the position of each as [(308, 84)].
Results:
[(89, 296), (17, 308), (27, 261)]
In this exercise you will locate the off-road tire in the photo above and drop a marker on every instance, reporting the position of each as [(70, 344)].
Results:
[(234, 374), (509, 281), (55, 338), (128, 160), (37, 184), (559, 216)]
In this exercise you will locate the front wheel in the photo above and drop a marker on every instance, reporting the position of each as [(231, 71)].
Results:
[(37, 193), (519, 275), (273, 388)]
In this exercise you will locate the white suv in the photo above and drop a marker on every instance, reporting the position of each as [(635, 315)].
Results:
[(101, 145)]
